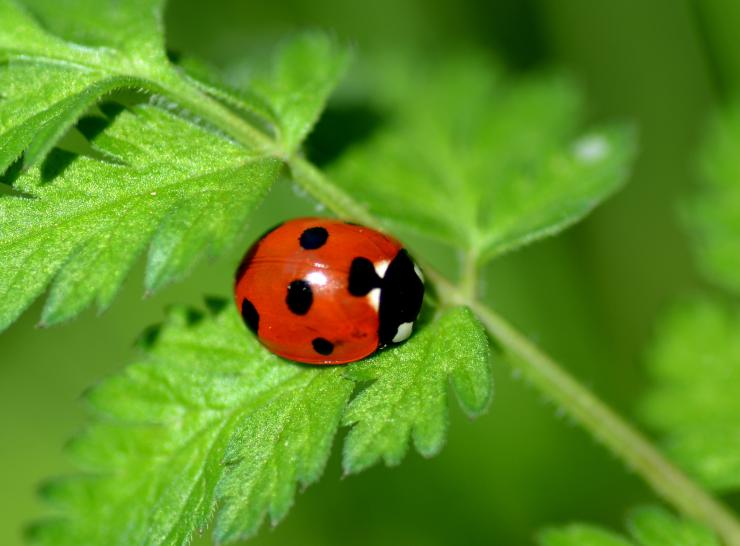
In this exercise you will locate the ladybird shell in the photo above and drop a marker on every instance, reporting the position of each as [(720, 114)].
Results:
[(322, 291)]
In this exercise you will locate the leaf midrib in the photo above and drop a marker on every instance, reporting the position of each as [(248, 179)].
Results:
[(406, 387), (265, 462), (226, 417), (244, 410)]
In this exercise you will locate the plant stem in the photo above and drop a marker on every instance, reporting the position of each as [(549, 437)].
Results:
[(543, 372), (214, 112), (335, 199), (468, 284), (605, 425)]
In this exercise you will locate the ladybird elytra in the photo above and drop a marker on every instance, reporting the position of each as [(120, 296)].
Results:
[(322, 291)]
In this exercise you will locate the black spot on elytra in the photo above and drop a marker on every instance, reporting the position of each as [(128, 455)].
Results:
[(322, 346), (250, 315), (401, 295), (362, 277), (300, 297), (313, 238)]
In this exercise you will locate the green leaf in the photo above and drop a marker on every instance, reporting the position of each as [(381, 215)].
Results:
[(498, 163), (695, 365), (284, 442), (133, 25), (206, 422), (236, 94), (285, 98), (47, 82), (714, 213), (305, 72), (408, 394), (86, 238), (647, 527), (180, 190), (50, 79)]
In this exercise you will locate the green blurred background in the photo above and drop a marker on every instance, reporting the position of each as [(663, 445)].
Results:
[(589, 297)]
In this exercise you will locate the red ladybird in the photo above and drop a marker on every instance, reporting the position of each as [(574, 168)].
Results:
[(326, 292)]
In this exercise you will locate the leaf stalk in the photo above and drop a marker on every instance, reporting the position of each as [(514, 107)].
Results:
[(469, 272)]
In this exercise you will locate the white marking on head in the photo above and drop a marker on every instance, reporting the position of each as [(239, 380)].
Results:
[(374, 298), (316, 278), (419, 273), (403, 332), (381, 267)]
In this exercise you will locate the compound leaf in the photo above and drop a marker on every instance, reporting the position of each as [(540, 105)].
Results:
[(48, 81), (85, 229), (133, 25), (481, 162), (181, 190), (305, 72), (209, 424), (285, 441), (407, 396), (206, 422)]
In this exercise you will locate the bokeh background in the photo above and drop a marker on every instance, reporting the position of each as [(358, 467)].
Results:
[(589, 297)]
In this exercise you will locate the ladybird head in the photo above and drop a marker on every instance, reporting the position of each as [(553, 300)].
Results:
[(401, 295), (395, 289)]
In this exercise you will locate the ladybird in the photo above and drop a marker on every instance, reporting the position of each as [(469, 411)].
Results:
[(322, 291)]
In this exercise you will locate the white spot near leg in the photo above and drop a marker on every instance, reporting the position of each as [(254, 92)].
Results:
[(381, 267), (419, 273), (374, 298), (403, 332)]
